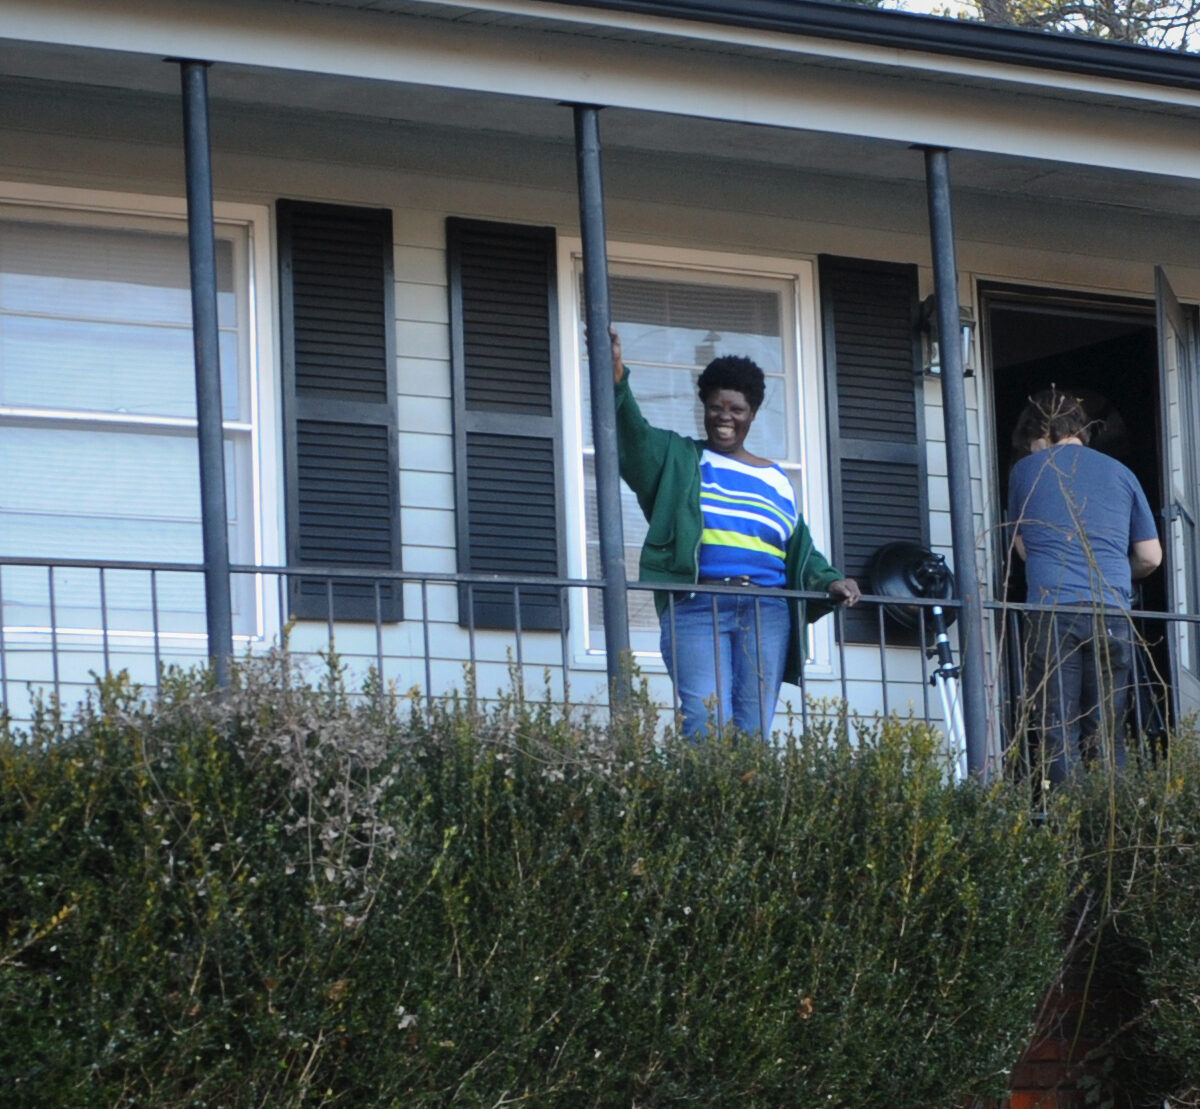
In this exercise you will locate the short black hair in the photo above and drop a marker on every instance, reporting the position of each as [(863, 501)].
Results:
[(1054, 415), (732, 371)]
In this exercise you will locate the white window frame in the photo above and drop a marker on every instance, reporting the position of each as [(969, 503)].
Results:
[(806, 378), (265, 423)]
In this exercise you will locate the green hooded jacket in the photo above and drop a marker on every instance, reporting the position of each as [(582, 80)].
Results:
[(663, 469)]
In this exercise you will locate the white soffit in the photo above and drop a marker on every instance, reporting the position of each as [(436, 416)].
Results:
[(728, 38), (552, 53)]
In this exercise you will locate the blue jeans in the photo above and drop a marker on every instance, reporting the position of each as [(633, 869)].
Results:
[(1078, 675), (731, 675)]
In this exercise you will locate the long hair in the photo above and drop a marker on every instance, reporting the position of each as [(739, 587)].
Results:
[(1052, 415)]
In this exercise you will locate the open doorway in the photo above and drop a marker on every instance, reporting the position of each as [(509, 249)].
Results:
[(1105, 350), (1107, 353)]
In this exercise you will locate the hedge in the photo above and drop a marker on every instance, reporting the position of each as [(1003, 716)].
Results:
[(1139, 861), (287, 896)]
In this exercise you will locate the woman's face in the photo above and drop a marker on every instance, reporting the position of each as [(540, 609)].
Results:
[(727, 420)]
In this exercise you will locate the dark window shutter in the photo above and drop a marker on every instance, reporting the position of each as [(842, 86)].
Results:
[(876, 420), (341, 444), (508, 440)]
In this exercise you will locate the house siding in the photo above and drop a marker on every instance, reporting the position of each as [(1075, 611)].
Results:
[(671, 201)]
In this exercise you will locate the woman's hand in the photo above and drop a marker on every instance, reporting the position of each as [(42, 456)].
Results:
[(845, 589), (617, 361)]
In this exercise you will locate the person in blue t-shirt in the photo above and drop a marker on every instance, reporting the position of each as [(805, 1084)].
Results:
[(1085, 530)]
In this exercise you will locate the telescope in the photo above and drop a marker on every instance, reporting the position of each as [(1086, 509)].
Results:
[(908, 571)]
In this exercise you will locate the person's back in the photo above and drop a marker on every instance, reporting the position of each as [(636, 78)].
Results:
[(1078, 512), (1083, 525)]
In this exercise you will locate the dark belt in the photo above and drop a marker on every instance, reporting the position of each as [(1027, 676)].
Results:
[(742, 580)]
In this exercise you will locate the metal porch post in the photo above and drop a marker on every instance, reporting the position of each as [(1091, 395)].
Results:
[(604, 413), (210, 434), (954, 412)]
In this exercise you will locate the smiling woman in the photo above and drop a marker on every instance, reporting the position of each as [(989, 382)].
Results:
[(720, 515)]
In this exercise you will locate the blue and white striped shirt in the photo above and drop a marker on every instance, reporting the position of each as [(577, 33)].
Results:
[(749, 514)]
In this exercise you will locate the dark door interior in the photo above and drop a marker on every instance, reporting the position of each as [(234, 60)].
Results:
[(1106, 352)]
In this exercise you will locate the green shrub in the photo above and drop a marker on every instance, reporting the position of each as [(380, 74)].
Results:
[(288, 896), (176, 883), (1140, 855)]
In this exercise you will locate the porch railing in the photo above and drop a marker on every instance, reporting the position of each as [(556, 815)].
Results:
[(66, 621)]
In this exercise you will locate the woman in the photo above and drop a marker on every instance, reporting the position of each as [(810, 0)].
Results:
[(721, 515)]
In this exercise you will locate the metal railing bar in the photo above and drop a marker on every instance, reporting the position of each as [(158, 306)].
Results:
[(676, 702), (154, 626), (519, 644), (104, 623), (281, 600), (803, 680), (285, 647), (564, 643), (1062, 704), (716, 625), (96, 563), (1111, 610), (379, 638), (839, 631), (471, 652), (1018, 696), (329, 632), (1136, 680), (764, 723), (926, 680), (3, 648), (53, 630), (1106, 735), (426, 640), (883, 678)]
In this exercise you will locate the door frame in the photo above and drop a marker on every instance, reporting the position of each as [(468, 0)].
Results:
[(1177, 335), (1140, 314)]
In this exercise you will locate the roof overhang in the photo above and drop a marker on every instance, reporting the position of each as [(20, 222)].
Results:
[(781, 84), (923, 34)]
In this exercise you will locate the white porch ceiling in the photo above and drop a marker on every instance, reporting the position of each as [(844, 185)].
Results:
[(263, 104)]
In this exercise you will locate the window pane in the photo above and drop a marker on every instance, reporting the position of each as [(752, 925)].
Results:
[(97, 319), (670, 330), (85, 494), (96, 493), (104, 367), (105, 273), (688, 321), (641, 604)]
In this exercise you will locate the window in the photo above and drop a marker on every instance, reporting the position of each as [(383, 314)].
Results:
[(97, 414), (673, 320)]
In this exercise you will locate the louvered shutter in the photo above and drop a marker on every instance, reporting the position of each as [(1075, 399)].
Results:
[(508, 441), (876, 419), (341, 454)]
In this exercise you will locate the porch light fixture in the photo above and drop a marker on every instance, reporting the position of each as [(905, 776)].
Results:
[(928, 327)]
